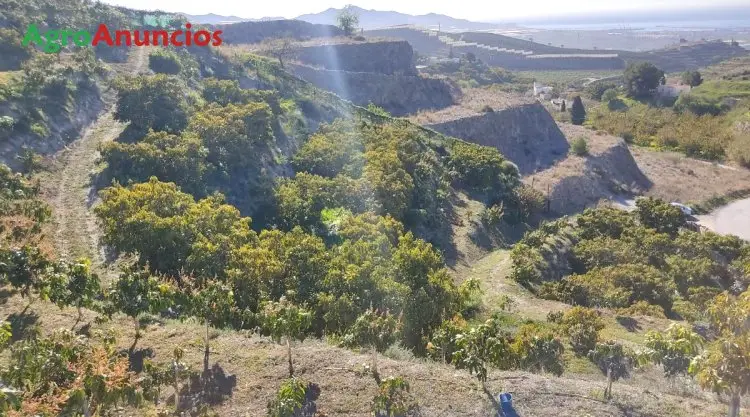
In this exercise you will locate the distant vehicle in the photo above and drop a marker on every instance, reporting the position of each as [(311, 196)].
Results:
[(685, 209)]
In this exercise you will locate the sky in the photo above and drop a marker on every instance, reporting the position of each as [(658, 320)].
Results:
[(478, 10)]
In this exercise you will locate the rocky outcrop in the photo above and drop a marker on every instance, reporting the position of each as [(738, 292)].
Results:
[(398, 94), (526, 134), (387, 57)]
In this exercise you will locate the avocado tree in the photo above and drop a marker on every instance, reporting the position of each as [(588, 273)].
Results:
[(614, 360), (25, 269), (724, 366), (582, 326), (73, 284), (283, 320), (392, 399), (69, 372), (137, 292), (213, 304), (673, 349), (692, 78)]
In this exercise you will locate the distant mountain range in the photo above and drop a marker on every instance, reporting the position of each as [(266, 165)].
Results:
[(368, 19), (215, 19), (374, 19)]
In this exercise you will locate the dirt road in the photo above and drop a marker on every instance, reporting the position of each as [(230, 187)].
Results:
[(732, 219), (68, 187)]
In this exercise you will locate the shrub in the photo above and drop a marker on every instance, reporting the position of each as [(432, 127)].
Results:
[(289, 399), (659, 215), (582, 326), (393, 399), (164, 62), (597, 89), (537, 349), (739, 150), (39, 129), (609, 95), (580, 146), (643, 308), (373, 329)]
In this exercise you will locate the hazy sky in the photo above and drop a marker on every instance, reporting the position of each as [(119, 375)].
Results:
[(479, 10)]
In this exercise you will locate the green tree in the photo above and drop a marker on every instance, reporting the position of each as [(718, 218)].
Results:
[(724, 366), (70, 373), (156, 102), (284, 320), (614, 360), (692, 78), (213, 304), (289, 399), (580, 146), (609, 95), (392, 399), (25, 269), (674, 349), (373, 329), (659, 215), (642, 79), (164, 62), (577, 111), (348, 19), (80, 287), (582, 326), (137, 292)]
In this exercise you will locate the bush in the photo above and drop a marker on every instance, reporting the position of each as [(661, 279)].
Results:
[(643, 308), (582, 326), (289, 399), (597, 89), (580, 146), (39, 129), (659, 215), (164, 62), (609, 95), (739, 150), (373, 329)]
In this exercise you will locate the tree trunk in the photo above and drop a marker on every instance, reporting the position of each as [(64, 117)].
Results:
[(289, 355), (608, 390), (206, 353), (85, 408), (374, 370), (176, 386), (734, 405)]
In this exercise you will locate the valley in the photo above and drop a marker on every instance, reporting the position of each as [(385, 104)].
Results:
[(315, 220)]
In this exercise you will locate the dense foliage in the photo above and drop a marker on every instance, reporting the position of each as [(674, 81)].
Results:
[(617, 259)]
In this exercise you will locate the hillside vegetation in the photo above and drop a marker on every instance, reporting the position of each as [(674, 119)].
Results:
[(278, 251)]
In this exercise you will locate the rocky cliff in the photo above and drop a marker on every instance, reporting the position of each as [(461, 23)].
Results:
[(525, 134), (386, 57), (398, 94)]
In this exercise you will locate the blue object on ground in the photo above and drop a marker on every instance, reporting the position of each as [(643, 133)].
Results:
[(506, 406)]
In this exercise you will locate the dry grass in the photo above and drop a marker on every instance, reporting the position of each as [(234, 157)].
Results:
[(254, 367), (473, 102), (609, 172), (678, 178)]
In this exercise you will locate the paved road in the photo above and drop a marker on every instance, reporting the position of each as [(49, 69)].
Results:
[(732, 219)]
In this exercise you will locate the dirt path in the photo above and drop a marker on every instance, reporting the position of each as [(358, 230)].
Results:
[(68, 187), (732, 219)]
